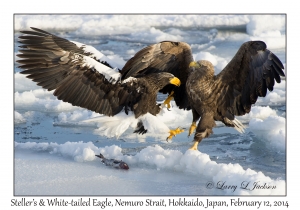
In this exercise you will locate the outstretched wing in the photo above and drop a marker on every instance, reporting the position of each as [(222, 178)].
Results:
[(248, 75), (172, 57), (74, 73)]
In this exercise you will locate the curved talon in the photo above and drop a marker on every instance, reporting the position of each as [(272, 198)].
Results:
[(167, 139)]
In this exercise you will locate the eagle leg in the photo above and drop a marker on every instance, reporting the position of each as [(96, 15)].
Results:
[(195, 146), (168, 100), (198, 138), (174, 133), (192, 128), (196, 117), (204, 129)]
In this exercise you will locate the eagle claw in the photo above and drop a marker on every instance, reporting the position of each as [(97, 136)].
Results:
[(174, 133), (195, 146), (168, 100)]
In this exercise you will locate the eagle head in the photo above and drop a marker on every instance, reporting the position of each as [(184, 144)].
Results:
[(161, 79), (203, 65)]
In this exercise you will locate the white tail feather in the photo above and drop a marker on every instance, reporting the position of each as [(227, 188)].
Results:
[(115, 126)]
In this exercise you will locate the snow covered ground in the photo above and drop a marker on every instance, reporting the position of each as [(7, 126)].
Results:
[(54, 151)]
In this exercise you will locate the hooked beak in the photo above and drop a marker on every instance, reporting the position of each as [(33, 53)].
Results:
[(175, 81), (194, 64)]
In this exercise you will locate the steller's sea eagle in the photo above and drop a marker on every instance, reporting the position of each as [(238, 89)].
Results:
[(249, 74), (82, 76)]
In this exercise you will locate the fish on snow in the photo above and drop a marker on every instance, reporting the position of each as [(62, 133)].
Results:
[(119, 164)]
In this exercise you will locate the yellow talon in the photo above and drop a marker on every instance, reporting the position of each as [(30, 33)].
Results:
[(192, 128), (195, 146), (174, 133), (168, 100)]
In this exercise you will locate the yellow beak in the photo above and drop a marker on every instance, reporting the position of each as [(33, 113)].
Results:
[(175, 81), (194, 64)]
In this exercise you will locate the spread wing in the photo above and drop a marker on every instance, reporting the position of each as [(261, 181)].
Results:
[(77, 75), (172, 57), (252, 71)]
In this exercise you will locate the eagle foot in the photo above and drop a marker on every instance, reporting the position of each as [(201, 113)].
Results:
[(195, 146), (168, 100), (192, 128), (174, 133)]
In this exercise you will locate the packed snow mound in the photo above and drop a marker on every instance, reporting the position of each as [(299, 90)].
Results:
[(191, 162)]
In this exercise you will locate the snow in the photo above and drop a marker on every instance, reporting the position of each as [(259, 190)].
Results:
[(272, 129), (218, 62), (55, 145), (95, 25), (23, 84), (19, 118), (152, 158), (98, 55), (40, 100), (260, 112), (272, 32)]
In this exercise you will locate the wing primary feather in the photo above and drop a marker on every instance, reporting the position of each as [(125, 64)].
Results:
[(33, 33), (32, 61), (278, 69), (71, 92), (48, 76), (270, 80), (277, 61), (40, 30), (276, 75), (82, 94), (31, 37)]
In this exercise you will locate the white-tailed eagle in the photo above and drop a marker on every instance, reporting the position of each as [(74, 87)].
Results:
[(251, 72), (82, 76)]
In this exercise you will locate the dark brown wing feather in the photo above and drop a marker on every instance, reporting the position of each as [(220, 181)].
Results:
[(172, 57), (57, 64), (58, 43), (248, 75), (50, 41)]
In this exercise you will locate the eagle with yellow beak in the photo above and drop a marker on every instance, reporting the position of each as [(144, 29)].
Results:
[(81, 75), (251, 72)]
